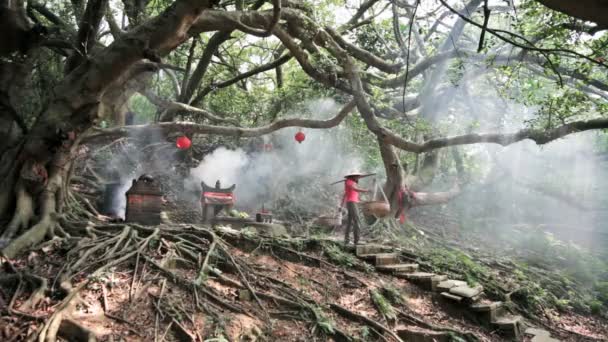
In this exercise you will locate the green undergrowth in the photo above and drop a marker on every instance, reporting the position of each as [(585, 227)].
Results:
[(322, 323), (338, 256), (559, 274), (393, 294), (457, 262), (384, 306), (542, 272)]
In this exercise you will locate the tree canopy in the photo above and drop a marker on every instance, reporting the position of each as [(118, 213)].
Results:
[(421, 75), (420, 88)]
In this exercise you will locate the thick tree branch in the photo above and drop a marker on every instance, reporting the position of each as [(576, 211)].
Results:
[(262, 68), (500, 35), (186, 76), (360, 12), (201, 68), (276, 16), (364, 55), (540, 137), (329, 79), (419, 68), (87, 31), (45, 12), (182, 107), (76, 105), (432, 198), (114, 27), (194, 110), (168, 127), (427, 63)]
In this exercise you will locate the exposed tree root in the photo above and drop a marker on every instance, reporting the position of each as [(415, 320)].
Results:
[(368, 321), (24, 212), (185, 272)]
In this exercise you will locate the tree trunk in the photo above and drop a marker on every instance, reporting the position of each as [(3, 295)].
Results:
[(40, 163)]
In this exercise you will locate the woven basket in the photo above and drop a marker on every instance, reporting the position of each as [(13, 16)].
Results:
[(380, 209)]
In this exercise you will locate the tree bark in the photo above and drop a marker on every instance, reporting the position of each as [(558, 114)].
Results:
[(44, 159)]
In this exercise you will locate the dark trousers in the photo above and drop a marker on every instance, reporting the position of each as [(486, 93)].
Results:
[(353, 219)]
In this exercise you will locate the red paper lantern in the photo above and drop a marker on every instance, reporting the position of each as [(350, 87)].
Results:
[(300, 136), (183, 143)]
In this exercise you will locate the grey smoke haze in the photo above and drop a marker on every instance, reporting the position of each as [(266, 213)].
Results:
[(263, 177), (558, 187), (136, 161)]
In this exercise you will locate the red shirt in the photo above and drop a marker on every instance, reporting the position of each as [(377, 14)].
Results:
[(350, 194)]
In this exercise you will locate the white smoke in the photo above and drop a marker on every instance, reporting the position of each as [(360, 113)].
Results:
[(276, 166), (223, 165)]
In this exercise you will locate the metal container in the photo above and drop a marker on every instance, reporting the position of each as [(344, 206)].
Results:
[(144, 200)]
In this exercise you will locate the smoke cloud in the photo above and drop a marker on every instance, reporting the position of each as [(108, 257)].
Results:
[(556, 188), (275, 168)]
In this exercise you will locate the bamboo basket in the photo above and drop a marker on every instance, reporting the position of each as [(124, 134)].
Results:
[(380, 209)]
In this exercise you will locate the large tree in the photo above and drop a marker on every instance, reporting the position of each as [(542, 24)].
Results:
[(387, 60)]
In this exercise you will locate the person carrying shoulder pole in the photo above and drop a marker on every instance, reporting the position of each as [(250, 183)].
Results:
[(351, 198)]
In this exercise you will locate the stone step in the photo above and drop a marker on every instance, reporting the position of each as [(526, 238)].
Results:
[(510, 326), (381, 259), (423, 335), (417, 275), (544, 338), (485, 307), (401, 269), (540, 335), (467, 292), (426, 282), (487, 312), (446, 285), (371, 249), (451, 297)]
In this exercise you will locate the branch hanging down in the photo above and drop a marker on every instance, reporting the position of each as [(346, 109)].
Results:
[(486, 18), (168, 127)]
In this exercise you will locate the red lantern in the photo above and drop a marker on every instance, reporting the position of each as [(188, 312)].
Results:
[(183, 143), (300, 136)]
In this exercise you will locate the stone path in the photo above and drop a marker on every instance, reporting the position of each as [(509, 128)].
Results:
[(492, 314)]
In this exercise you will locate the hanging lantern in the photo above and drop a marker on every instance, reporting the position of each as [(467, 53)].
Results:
[(300, 136), (183, 143)]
